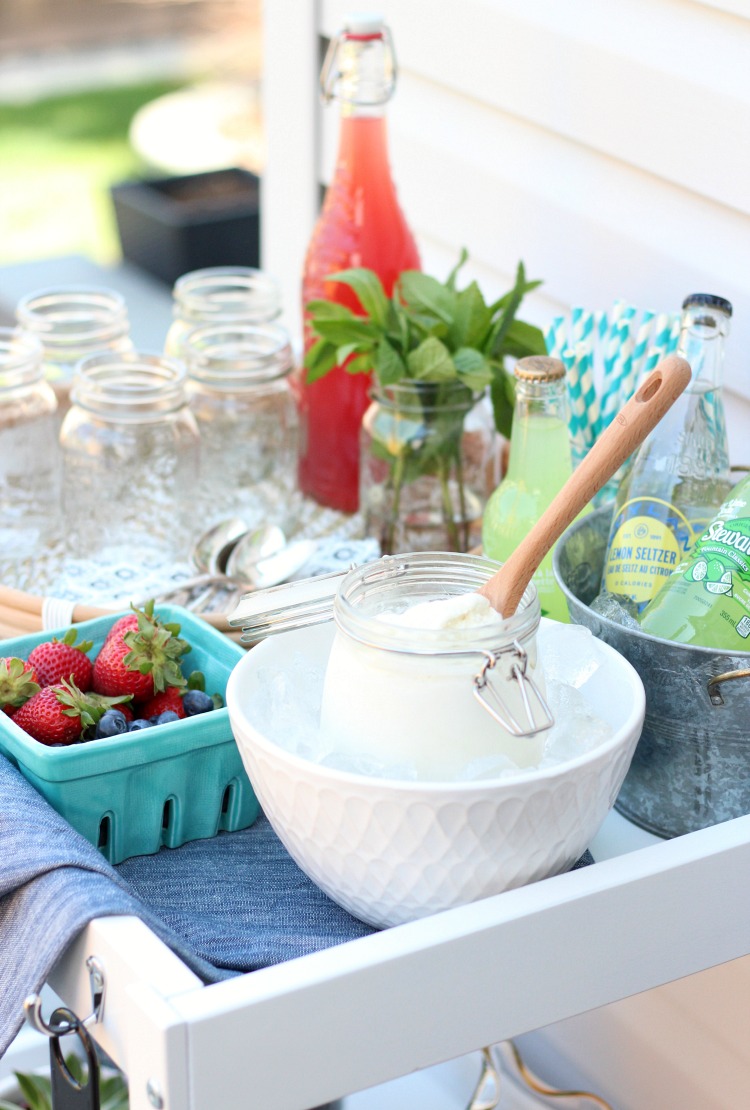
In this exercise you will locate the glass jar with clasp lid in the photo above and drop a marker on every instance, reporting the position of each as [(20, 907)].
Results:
[(29, 463), (130, 454), (238, 385), (402, 688), (221, 295), (73, 322)]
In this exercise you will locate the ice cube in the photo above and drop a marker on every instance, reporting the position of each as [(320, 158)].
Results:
[(617, 608)]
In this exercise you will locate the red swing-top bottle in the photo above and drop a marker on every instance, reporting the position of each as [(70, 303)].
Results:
[(361, 224)]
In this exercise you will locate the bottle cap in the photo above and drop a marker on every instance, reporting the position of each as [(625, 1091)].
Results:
[(363, 23), (539, 368), (709, 300)]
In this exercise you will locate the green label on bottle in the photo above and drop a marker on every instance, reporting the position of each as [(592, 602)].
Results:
[(721, 561)]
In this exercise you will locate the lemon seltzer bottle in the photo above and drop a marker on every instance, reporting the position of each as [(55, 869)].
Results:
[(679, 476), (539, 464), (706, 601)]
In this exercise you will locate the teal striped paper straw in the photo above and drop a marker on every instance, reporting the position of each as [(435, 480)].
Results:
[(674, 334), (615, 367), (662, 335), (635, 357), (575, 394), (555, 337), (589, 395), (581, 325)]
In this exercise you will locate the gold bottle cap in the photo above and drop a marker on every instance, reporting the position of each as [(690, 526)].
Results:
[(539, 368)]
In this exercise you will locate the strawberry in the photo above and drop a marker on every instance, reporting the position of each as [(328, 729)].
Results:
[(55, 660), (129, 623), (18, 682), (141, 661), (59, 714), (171, 698)]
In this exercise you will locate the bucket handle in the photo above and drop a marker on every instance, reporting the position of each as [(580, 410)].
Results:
[(714, 692)]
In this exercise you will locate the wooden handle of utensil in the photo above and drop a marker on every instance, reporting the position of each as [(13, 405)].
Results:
[(627, 431)]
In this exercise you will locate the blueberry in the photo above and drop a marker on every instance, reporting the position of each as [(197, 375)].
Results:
[(196, 701), (138, 724), (111, 723), (165, 717)]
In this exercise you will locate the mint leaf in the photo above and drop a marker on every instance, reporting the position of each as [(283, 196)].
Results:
[(473, 368), (522, 339), (431, 362), (424, 294), (319, 360), (450, 281), (369, 288), (472, 319), (389, 366)]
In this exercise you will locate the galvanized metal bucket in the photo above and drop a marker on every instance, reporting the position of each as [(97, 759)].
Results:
[(691, 767)]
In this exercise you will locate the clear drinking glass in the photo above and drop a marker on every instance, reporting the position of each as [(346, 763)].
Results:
[(73, 322), (29, 462), (130, 452), (429, 460), (238, 385), (221, 295)]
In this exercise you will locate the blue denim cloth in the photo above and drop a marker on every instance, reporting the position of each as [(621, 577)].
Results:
[(225, 906)]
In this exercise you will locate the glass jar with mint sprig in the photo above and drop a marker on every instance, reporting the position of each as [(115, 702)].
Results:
[(440, 395)]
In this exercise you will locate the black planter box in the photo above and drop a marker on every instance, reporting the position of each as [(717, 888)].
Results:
[(169, 226)]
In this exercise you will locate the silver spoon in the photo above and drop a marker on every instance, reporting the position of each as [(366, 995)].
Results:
[(212, 548), (252, 548)]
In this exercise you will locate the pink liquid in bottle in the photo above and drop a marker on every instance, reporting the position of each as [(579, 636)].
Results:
[(361, 224)]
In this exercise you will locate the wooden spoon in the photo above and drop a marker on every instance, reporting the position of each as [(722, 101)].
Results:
[(627, 431)]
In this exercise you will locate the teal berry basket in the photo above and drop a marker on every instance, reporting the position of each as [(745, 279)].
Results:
[(132, 794)]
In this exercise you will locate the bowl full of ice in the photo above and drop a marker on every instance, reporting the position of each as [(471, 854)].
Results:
[(391, 847)]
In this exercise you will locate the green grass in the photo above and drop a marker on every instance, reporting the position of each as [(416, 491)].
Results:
[(58, 158)]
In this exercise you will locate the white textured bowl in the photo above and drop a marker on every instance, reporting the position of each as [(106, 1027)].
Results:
[(394, 851)]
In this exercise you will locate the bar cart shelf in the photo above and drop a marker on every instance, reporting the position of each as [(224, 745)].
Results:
[(323, 1026)]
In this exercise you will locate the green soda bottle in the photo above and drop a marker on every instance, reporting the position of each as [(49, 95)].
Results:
[(538, 467), (706, 601), (679, 476)]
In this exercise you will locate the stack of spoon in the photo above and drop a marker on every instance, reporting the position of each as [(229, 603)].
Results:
[(232, 559)]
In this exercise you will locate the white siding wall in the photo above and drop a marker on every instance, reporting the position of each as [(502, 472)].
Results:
[(606, 145)]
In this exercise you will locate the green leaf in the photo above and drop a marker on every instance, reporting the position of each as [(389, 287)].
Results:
[(522, 339), (473, 368), (338, 332), (369, 288), (450, 281), (389, 366), (196, 681), (362, 364), (472, 320), (502, 393), (320, 358), (328, 310), (36, 1090), (431, 362), (424, 294), (496, 340)]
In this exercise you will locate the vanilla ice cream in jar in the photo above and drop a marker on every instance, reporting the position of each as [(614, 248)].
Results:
[(423, 671)]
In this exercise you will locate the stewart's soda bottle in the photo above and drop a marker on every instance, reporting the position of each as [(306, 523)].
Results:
[(706, 601)]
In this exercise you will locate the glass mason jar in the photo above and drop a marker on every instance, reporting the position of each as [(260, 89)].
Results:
[(437, 699), (239, 393), (29, 461), (429, 460), (73, 322), (221, 295), (130, 451)]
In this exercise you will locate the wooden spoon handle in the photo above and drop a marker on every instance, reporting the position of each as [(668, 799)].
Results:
[(627, 431)]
